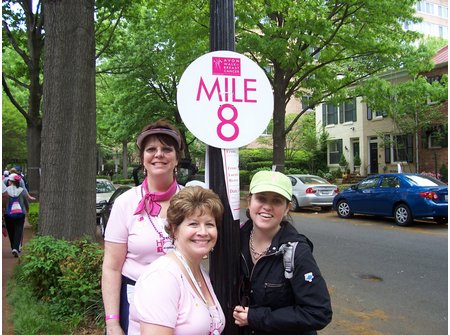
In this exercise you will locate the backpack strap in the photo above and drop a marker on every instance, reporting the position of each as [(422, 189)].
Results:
[(288, 250)]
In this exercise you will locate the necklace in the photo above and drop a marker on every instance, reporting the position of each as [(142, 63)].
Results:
[(164, 243), (256, 255)]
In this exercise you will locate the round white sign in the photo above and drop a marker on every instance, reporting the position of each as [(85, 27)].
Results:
[(225, 99)]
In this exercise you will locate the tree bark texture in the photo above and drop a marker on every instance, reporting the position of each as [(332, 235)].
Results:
[(68, 157), (278, 135)]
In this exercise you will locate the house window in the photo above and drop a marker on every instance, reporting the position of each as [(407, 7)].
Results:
[(335, 151), (329, 114), (372, 114), (443, 11), (437, 137), (347, 111), (399, 147)]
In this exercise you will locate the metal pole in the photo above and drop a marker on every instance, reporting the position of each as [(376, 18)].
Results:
[(224, 261)]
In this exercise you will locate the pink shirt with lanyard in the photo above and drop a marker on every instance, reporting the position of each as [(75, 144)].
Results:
[(165, 297), (131, 222)]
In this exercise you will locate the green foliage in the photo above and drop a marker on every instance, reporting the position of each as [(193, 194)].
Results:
[(14, 146), (321, 47), (124, 181), (31, 316), (244, 177), (336, 173), (357, 160), (247, 156), (407, 102), (64, 274), (343, 161), (33, 215), (78, 292)]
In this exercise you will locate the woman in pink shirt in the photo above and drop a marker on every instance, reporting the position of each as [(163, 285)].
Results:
[(174, 295), (135, 235)]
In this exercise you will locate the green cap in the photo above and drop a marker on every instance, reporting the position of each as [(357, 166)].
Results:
[(271, 181)]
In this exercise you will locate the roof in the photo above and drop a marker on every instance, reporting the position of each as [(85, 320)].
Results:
[(441, 56)]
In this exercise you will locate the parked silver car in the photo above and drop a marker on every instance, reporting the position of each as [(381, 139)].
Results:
[(104, 191), (309, 191)]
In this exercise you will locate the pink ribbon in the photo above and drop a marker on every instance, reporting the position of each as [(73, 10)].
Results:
[(151, 200)]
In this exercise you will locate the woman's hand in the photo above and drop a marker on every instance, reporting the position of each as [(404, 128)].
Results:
[(240, 315), (113, 328)]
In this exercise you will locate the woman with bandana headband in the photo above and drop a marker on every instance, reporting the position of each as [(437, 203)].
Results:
[(135, 234)]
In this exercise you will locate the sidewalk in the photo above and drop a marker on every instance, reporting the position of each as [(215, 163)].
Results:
[(8, 264)]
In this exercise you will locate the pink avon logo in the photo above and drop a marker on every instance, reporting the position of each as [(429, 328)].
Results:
[(226, 66)]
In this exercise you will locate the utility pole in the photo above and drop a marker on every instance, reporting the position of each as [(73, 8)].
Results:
[(224, 262)]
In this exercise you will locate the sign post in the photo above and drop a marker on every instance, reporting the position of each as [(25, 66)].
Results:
[(226, 101)]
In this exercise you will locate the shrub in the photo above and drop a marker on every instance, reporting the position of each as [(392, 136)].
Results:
[(33, 215), (343, 162), (66, 275), (357, 160)]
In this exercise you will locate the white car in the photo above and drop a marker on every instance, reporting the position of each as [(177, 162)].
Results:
[(310, 191), (105, 189)]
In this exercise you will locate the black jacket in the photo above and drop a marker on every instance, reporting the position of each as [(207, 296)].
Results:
[(296, 306)]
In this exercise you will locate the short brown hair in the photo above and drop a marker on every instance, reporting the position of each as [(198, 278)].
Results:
[(163, 138), (187, 201)]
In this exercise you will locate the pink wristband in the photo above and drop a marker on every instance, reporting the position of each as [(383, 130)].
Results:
[(111, 316)]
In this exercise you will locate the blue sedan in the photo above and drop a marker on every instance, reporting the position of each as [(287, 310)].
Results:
[(404, 196)]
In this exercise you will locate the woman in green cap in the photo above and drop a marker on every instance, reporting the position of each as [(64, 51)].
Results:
[(282, 290)]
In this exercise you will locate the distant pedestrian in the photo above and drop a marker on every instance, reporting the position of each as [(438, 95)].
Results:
[(16, 208)]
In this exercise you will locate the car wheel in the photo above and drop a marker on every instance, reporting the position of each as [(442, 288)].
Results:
[(294, 204), (102, 226), (343, 209), (402, 215), (441, 219)]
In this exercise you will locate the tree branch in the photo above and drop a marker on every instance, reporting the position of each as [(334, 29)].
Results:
[(12, 99)]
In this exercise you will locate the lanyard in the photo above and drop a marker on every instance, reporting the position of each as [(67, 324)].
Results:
[(191, 275)]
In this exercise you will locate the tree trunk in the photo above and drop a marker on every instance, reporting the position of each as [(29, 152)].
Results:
[(278, 136), (34, 129), (68, 161), (124, 160)]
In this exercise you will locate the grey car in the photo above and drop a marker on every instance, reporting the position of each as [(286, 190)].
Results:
[(311, 191)]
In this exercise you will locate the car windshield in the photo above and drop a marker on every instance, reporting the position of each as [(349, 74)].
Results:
[(104, 187), (425, 181), (312, 180)]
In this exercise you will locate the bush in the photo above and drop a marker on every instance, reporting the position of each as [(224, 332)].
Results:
[(124, 181), (253, 155), (244, 178), (33, 215), (66, 275)]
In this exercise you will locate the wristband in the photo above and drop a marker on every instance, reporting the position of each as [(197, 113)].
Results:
[(111, 316)]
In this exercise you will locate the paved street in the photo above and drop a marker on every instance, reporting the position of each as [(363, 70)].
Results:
[(384, 279)]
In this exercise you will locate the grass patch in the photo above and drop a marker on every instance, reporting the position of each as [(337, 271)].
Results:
[(30, 316)]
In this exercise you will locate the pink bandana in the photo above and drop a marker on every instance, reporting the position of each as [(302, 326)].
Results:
[(152, 198)]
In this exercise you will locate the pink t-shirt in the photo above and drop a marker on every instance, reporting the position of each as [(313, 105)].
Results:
[(146, 242), (164, 296)]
